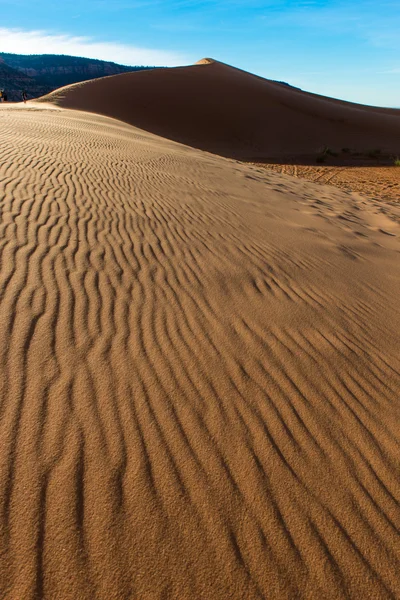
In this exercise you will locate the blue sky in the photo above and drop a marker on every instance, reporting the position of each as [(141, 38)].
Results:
[(348, 50)]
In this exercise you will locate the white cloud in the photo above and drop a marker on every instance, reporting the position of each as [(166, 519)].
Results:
[(41, 42)]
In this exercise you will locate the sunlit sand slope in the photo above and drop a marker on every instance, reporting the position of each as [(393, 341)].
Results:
[(199, 374), (221, 109)]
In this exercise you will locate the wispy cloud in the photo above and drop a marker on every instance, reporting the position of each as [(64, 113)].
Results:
[(394, 71), (42, 42)]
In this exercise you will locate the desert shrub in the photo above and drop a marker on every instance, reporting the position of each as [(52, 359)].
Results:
[(329, 152), (374, 153)]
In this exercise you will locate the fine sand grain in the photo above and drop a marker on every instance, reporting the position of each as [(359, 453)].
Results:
[(199, 374)]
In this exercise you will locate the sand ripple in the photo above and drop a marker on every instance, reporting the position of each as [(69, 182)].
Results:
[(199, 374)]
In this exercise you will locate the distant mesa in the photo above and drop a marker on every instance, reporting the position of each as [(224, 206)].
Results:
[(226, 111), (14, 81), (40, 74)]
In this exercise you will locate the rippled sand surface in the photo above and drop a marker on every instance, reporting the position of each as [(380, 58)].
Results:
[(199, 374)]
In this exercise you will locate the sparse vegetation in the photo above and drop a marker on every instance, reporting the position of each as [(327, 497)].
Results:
[(326, 151), (397, 162), (374, 153), (329, 151)]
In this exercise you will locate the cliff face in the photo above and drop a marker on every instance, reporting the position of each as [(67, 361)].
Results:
[(13, 82), (40, 74)]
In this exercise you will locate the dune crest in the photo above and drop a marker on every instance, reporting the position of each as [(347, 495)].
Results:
[(206, 61), (199, 374), (215, 107)]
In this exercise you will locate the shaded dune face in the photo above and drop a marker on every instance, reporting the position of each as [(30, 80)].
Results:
[(199, 374), (232, 113)]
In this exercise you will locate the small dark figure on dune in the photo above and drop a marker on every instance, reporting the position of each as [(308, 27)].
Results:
[(24, 96)]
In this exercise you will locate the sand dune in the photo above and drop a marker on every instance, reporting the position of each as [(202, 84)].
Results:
[(226, 111), (199, 373)]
